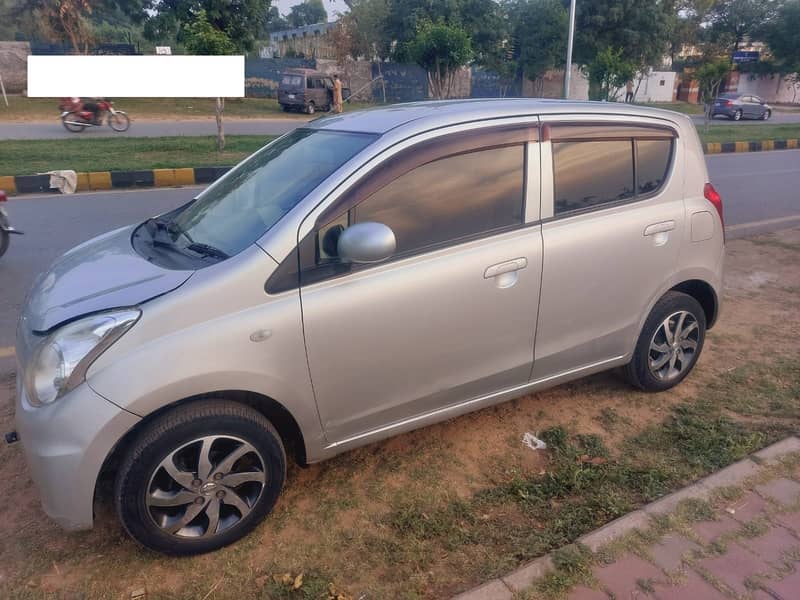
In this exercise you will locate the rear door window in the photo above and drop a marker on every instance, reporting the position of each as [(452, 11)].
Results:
[(591, 173), (653, 158), (597, 165)]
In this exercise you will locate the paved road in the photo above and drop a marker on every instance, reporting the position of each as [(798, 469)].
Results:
[(144, 128), (756, 187)]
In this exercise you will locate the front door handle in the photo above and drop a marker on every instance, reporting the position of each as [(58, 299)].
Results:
[(661, 227), (508, 266)]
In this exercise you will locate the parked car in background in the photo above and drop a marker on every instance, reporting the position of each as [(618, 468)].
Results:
[(362, 276), (306, 90), (741, 106)]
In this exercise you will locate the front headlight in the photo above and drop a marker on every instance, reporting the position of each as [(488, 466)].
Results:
[(60, 362)]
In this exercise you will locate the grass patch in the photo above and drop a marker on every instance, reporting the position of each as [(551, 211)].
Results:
[(682, 107), (748, 133), (26, 157), (21, 108)]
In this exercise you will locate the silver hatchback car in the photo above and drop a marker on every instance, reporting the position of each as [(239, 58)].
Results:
[(359, 277)]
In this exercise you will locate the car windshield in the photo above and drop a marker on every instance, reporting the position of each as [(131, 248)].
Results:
[(256, 194), (293, 80)]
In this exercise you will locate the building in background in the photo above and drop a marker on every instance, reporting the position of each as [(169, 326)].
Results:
[(309, 41)]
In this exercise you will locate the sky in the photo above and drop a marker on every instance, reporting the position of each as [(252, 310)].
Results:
[(332, 6)]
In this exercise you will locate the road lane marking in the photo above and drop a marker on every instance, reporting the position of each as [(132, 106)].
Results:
[(7, 352), (764, 222)]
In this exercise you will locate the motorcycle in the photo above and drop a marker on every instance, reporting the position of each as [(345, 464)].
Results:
[(76, 118), (6, 230)]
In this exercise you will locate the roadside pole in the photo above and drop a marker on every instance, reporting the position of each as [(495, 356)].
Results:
[(570, 40), (3, 88)]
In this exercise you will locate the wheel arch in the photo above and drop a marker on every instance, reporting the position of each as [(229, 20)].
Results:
[(704, 293), (277, 414)]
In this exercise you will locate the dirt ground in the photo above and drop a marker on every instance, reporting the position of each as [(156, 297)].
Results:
[(344, 522)]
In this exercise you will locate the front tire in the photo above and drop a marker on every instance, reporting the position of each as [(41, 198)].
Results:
[(200, 477), (737, 116), (4, 241), (119, 121), (311, 109), (669, 345), (766, 115)]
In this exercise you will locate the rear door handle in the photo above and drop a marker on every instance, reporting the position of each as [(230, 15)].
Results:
[(508, 266), (661, 227)]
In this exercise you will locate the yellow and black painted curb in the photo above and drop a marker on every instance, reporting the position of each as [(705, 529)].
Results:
[(762, 146), (108, 180)]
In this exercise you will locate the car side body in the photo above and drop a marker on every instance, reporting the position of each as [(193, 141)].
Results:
[(547, 285)]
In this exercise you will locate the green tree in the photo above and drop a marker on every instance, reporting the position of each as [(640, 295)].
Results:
[(201, 37), (307, 12), (711, 75), (441, 50), (608, 72), (241, 20), (274, 21), (734, 20), (782, 36), (638, 30), (480, 20), (540, 36)]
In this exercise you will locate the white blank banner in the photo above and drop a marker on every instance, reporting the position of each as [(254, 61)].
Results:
[(136, 76)]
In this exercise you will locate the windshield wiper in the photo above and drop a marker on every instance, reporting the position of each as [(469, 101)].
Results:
[(207, 250)]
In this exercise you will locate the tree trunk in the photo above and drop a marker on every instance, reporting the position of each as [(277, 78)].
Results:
[(219, 109)]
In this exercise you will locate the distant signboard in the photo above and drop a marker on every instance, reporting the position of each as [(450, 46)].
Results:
[(746, 56), (165, 50)]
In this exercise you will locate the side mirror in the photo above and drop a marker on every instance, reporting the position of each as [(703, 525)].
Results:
[(366, 243)]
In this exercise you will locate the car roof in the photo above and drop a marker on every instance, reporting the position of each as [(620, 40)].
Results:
[(438, 113)]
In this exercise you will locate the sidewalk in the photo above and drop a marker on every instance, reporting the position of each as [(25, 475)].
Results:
[(733, 535)]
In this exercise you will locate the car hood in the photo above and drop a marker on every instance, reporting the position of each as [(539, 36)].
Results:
[(103, 273)]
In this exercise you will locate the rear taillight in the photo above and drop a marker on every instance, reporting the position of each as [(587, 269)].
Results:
[(3, 197), (728, 103), (713, 196)]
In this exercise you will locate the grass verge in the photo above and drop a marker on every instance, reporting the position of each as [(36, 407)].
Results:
[(25, 109), (26, 157), (737, 132)]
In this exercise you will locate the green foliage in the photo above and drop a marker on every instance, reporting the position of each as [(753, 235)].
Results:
[(479, 18), (608, 72), (440, 49), (201, 37), (711, 75), (539, 29), (241, 20), (640, 31), (734, 20), (307, 12), (783, 36)]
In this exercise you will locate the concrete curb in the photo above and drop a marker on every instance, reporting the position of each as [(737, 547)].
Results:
[(108, 180), (504, 588), (762, 146)]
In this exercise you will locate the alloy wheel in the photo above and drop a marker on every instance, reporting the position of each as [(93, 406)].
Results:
[(673, 347), (206, 486)]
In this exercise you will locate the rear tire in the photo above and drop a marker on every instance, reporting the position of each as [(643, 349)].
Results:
[(669, 345), (4, 241), (737, 116), (311, 109), (200, 477), (71, 126)]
